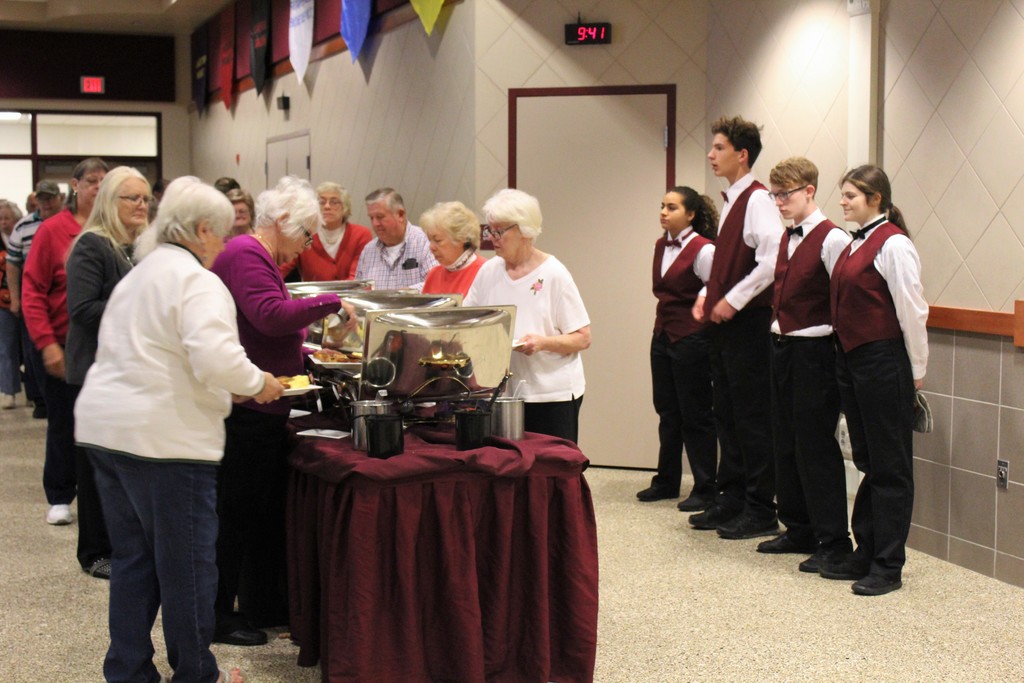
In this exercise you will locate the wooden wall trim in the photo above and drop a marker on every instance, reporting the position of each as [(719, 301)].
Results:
[(982, 322)]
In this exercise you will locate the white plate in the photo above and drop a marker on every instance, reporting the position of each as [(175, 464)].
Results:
[(299, 391)]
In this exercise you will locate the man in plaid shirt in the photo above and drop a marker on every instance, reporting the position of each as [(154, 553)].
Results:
[(399, 257)]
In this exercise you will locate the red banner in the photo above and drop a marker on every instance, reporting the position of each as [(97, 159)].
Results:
[(226, 54)]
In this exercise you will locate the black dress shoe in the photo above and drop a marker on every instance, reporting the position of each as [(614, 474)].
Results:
[(39, 411), (653, 493), (873, 584), (694, 503), (812, 565), (712, 518), (844, 568), (747, 525), (786, 543), (240, 635)]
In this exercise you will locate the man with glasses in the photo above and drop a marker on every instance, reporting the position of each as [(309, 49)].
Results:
[(399, 257), (810, 476), (49, 201)]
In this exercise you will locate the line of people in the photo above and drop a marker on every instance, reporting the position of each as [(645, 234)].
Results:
[(762, 334)]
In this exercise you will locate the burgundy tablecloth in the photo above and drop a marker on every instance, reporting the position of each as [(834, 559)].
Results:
[(440, 565)]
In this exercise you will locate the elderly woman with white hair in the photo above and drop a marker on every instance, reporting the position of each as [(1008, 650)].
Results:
[(151, 417), (552, 325), (251, 482), (454, 234), (337, 244)]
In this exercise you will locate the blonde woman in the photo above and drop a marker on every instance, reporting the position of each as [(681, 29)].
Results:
[(454, 234)]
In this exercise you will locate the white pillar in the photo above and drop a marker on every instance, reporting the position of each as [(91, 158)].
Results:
[(863, 95)]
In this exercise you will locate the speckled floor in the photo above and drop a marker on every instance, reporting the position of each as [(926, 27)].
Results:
[(676, 604)]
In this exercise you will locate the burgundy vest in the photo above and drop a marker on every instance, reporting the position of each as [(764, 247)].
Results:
[(801, 294), (862, 307), (677, 290), (734, 260)]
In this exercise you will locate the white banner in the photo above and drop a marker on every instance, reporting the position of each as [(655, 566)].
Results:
[(300, 35)]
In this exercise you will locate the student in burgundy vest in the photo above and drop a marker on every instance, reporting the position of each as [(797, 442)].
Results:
[(738, 303), (879, 315), (810, 475), (680, 366)]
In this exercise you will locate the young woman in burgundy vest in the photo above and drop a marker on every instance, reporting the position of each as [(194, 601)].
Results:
[(879, 315), (680, 365)]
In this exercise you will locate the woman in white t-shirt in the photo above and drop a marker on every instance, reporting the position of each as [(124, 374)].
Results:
[(552, 325)]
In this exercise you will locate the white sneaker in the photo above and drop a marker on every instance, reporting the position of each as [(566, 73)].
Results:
[(7, 401), (59, 515)]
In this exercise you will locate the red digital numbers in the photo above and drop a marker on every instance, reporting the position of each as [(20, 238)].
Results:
[(93, 85), (586, 34)]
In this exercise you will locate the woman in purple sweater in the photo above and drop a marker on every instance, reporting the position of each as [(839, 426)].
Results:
[(251, 482)]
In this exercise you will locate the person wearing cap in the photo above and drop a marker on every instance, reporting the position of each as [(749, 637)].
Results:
[(49, 201)]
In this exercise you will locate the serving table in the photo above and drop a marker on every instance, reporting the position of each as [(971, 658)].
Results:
[(443, 565)]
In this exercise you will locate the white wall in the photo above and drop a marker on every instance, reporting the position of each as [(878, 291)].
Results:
[(401, 116)]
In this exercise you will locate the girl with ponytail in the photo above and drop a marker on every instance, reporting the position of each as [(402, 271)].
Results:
[(680, 361)]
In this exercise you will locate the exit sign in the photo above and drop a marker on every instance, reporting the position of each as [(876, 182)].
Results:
[(93, 85)]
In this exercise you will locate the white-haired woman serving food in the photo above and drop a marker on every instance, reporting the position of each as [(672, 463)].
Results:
[(552, 325), (151, 416)]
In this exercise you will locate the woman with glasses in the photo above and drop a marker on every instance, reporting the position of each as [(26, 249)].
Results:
[(45, 310), (244, 210), (99, 258), (454, 235), (251, 480), (552, 325), (337, 245)]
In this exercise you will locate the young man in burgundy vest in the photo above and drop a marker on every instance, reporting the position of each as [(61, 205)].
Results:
[(738, 303), (810, 475)]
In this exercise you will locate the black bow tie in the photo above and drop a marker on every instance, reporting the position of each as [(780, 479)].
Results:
[(863, 232), (798, 230), (673, 243)]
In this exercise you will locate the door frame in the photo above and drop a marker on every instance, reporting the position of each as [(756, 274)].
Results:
[(669, 90)]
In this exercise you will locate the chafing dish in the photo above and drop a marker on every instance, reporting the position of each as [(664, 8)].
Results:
[(440, 353), (329, 333)]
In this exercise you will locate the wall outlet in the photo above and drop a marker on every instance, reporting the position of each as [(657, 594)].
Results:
[(1002, 474)]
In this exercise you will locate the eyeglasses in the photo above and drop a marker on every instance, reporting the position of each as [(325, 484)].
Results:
[(784, 195), (333, 203), (496, 234), (137, 199), (309, 238)]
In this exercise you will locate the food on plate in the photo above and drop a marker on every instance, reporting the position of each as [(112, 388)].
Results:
[(335, 356), (296, 382)]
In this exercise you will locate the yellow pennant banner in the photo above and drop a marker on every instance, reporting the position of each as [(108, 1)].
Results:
[(428, 11)]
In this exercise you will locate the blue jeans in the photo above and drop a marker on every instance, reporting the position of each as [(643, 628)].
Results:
[(162, 519), (10, 354)]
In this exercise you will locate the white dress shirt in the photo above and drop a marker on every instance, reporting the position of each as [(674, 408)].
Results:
[(701, 263), (898, 263), (762, 231)]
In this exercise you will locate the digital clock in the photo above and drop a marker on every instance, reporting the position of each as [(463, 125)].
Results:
[(588, 34)]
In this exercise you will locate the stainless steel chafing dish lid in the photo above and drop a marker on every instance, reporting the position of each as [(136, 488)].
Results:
[(300, 290), (378, 300), (434, 353)]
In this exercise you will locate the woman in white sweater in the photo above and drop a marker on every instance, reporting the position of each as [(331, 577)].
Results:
[(151, 414)]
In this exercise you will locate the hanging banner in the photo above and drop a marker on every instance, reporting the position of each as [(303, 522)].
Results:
[(355, 21), (226, 55), (428, 11), (200, 73), (300, 35), (259, 42)]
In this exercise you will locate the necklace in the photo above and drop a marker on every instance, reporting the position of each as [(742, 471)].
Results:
[(331, 237), (265, 244)]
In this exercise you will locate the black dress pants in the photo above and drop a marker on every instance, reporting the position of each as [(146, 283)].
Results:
[(876, 388), (251, 490), (681, 383), (810, 475), (742, 390), (554, 418)]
